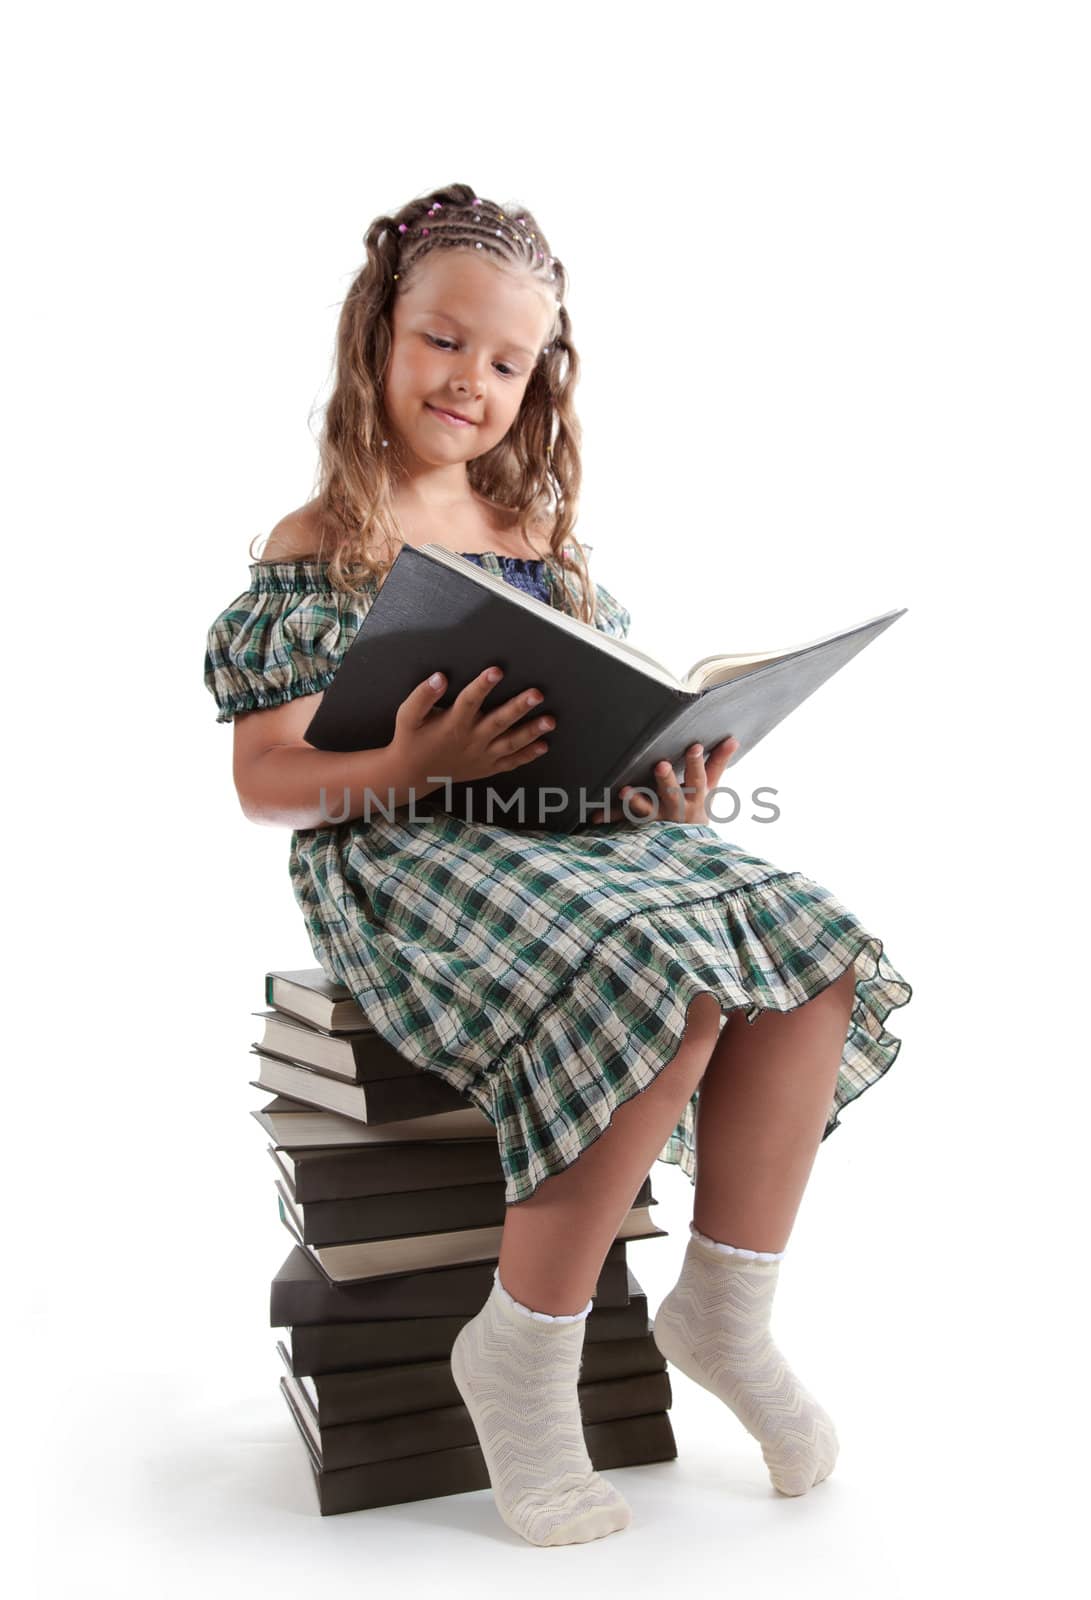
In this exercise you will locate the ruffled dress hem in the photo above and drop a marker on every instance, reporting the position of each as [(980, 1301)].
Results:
[(631, 1062), (618, 1018)]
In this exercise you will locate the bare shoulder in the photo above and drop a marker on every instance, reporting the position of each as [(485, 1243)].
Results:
[(296, 537)]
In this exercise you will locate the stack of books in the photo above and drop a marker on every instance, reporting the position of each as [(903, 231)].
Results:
[(389, 1182)]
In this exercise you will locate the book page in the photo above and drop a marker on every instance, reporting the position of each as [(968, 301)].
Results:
[(713, 670), (704, 674)]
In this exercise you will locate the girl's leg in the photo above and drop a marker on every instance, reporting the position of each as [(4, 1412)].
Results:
[(518, 1372), (761, 1114), (555, 1242), (762, 1110)]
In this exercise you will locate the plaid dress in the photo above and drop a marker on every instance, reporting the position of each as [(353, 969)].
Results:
[(545, 976)]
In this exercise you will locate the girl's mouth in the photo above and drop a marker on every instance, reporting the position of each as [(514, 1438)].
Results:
[(445, 416)]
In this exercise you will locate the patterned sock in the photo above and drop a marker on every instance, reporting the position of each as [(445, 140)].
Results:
[(517, 1372), (714, 1327)]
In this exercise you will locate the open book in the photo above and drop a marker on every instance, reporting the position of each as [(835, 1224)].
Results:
[(619, 711)]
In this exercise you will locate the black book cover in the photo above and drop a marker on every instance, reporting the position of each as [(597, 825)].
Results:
[(301, 1294), (368, 1393), (373, 1260), (617, 711), (361, 1057), (361, 1218), (401, 1216), (294, 1125), (447, 1426), (342, 1172), (419, 1094), (626, 1442), (345, 1346)]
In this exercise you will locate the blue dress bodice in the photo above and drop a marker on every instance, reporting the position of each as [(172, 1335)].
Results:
[(526, 573)]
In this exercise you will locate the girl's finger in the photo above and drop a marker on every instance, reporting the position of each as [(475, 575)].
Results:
[(716, 763), (672, 800), (638, 805), (719, 756), (695, 771)]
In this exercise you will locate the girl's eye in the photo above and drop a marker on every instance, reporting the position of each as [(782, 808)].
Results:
[(448, 344)]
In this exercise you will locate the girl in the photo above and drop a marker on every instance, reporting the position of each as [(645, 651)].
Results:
[(574, 987)]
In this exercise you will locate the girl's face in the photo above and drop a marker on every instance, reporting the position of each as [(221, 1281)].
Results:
[(467, 335)]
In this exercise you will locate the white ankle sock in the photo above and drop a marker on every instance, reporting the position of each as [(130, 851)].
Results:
[(714, 1326), (517, 1372)]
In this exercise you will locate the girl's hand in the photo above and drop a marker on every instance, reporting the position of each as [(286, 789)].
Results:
[(462, 742), (671, 805)]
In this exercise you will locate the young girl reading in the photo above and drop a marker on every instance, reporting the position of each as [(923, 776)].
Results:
[(574, 987)]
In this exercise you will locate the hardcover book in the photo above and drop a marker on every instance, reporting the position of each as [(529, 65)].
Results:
[(311, 996), (366, 1393), (414, 1214), (294, 1125), (300, 1292), (397, 1216), (618, 710), (626, 1442), (418, 1094), (387, 1169), (349, 1346), (361, 1057), (389, 1258), (445, 1427)]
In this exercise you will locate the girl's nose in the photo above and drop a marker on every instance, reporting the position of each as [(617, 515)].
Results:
[(469, 379)]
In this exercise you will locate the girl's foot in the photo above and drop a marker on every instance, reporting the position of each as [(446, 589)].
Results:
[(517, 1372), (714, 1327)]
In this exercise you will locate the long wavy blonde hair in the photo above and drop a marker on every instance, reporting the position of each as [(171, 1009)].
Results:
[(535, 469)]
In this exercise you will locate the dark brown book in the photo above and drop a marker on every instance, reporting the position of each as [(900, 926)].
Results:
[(389, 1258), (315, 999), (387, 1100), (416, 1433), (399, 1216), (349, 1346), (291, 1125), (300, 1293), (626, 1442), (365, 1218), (356, 1057), (368, 1393), (318, 1176)]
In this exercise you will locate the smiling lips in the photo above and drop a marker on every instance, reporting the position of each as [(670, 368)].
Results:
[(452, 418)]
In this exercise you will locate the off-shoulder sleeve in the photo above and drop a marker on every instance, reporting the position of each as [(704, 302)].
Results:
[(282, 637), (610, 615)]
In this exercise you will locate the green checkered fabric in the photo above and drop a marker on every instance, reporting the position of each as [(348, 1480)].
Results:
[(545, 976)]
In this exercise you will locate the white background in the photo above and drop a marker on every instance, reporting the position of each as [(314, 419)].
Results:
[(829, 272)]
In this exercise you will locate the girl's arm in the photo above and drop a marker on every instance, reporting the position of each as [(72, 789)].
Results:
[(279, 777)]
